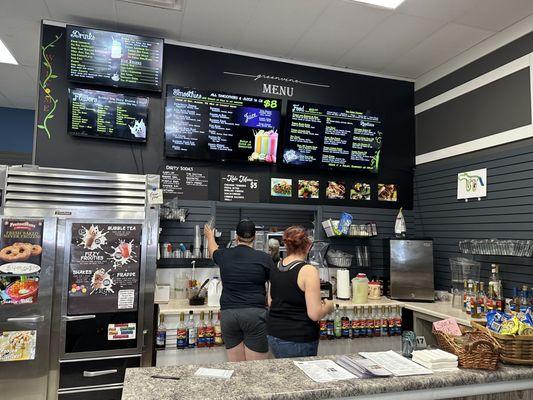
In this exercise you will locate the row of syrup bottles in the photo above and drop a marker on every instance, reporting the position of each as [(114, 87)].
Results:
[(365, 322), (192, 334)]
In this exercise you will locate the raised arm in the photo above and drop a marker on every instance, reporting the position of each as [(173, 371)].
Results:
[(309, 282), (211, 242)]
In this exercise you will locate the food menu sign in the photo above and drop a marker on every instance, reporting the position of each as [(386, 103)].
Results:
[(107, 115), (202, 124), (324, 136), (114, 59), (20, 260), (104, 268)]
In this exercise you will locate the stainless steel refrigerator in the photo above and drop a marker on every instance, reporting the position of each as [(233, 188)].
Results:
[(411, 269), (82, 308)]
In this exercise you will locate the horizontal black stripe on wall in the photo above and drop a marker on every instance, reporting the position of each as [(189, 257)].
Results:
[(506, 212), (487, 63), (496, 107)]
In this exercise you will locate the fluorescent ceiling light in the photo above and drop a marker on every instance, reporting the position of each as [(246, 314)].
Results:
[(168, 4), (5, 55), (392, 4)]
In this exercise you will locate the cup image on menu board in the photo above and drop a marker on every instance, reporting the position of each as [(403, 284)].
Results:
[(387, 192), (308, 189)]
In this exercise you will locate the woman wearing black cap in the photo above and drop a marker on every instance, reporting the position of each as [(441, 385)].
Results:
[(244, 272)]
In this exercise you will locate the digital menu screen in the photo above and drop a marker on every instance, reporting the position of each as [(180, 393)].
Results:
[(332, 137), (114, 59), (203, 124), (107, 115)]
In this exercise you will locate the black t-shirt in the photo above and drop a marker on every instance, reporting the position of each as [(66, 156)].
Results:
[(244, 272)]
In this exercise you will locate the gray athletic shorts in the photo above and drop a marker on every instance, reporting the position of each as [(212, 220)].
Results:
[(246, 325)]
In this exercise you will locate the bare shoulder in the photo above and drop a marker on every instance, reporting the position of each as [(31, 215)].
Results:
[(308, 270)]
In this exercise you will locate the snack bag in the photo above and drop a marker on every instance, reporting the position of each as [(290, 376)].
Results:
[(344, 223), (510, 326), (495, 319), (525, 325)]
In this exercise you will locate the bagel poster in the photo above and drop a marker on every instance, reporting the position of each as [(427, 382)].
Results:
[(20, 260), (104, 268)]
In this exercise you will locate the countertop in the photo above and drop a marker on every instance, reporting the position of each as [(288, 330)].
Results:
[(282, 380)]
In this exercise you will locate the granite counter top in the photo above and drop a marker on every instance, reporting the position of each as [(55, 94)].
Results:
[(282, 380)]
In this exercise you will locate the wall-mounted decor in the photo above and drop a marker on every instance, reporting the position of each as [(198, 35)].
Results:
[(472, 184)]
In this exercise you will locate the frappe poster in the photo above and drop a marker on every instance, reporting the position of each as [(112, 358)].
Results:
[(20, 260), (104, 268)]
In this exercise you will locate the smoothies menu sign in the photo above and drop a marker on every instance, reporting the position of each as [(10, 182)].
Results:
[(114, 59), (104, 268), (20, 260), (203, 124)]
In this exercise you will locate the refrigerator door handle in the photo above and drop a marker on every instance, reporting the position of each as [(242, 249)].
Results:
[(92, 374), (37, 318), (69, 318)]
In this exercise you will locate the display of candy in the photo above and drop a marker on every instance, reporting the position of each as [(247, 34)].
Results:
[(505, 324)]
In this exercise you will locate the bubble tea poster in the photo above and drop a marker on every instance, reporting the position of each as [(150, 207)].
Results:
[(104, 268)]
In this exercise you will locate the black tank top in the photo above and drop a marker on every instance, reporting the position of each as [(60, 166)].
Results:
[(287, 318)]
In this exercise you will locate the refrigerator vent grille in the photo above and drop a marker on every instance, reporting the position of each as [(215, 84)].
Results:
[(34, 187)]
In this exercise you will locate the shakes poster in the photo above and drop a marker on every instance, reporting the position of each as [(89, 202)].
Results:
[(104, 268)]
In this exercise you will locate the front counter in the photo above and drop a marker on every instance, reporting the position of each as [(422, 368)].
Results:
[(282, 380)]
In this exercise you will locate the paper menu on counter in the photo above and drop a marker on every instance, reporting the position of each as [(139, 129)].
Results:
[(324, 370), (395, 363), (214, 373)]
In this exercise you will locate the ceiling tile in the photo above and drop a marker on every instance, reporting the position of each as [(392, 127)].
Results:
[(100, 13), (146, 20), (444, 10), (22, 39), (440, 47), (393, 37), (216, 23), (17, 86), (4, 101), (276, 25), (496, 15), (27, 10), (336, 31)]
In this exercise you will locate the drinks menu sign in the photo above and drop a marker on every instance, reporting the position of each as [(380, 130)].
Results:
[(114, 59), (203, 124), (20, 260), (325, 136), (186, 182), (104, 268)]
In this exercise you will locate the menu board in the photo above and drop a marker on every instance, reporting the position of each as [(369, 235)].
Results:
[(186, 182), (107, 115), (104, 268), (114, 59), (239, 187), (333, 137), (20, 260), (210, 125)]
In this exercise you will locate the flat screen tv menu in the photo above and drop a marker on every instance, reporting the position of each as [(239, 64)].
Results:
[(203, 124), (107, 115), (334, 137), (114, 59)]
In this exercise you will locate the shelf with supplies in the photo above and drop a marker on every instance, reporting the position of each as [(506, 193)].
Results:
[(185, 263), (497, 247), (355, 231)]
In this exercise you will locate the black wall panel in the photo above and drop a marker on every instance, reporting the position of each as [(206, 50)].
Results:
[(496, 107), (506, 212)]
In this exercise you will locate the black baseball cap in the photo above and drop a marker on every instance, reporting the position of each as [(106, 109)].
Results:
[(246, 229)]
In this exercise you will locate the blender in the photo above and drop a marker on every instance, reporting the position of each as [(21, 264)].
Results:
[(317, 258)]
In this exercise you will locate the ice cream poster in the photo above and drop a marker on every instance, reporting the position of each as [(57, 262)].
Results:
[(104, 267), (472, 184)]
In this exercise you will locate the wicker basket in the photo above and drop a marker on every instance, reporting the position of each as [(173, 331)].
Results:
[(480, 350), (515, 349)]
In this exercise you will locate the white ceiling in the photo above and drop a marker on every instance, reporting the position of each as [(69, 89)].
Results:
[(415, 38)]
